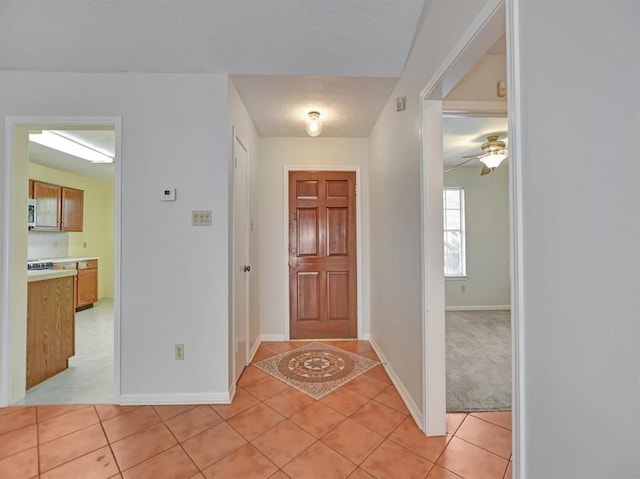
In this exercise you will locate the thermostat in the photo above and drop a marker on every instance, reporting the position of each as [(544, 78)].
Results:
[(168, 194)]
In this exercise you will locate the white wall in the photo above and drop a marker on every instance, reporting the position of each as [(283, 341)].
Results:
[(580, 105), (174, 276), (487, 233), (246, 130), (394, 169), (481, 82), (275, 154)]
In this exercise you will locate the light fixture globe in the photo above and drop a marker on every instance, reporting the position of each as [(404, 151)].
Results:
[(493, 160), (313, 125)]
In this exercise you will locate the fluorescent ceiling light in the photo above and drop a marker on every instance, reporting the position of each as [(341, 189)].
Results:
[(70, 147)]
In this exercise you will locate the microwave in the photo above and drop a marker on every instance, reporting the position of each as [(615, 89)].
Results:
[(31, 215)]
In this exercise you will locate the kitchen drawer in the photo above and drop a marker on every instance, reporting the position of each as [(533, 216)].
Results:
[(60, 266), (89, 264)]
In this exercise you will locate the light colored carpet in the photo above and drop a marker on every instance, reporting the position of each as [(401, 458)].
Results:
[(316, 369), (478, 361)]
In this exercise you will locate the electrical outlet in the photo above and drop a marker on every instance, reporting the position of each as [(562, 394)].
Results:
[(463, 288), (179, 352)]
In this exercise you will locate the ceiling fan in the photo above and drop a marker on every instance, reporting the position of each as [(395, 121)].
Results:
[(493, 152)]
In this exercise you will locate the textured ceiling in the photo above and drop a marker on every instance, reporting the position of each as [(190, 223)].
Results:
[(464, 135), (267, 37), (279, 105)]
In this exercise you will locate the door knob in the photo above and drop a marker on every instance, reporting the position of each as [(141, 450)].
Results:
[(246, 268)]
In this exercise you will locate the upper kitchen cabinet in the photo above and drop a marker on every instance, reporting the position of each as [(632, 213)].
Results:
[(72, 208), (58, 208), (48, 206)]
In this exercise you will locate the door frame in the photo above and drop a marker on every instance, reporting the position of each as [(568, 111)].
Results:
[(497, 15), (234, 266), (361, 321), (6, 330)]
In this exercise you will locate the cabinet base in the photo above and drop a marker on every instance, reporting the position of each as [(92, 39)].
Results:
[(82, 308)]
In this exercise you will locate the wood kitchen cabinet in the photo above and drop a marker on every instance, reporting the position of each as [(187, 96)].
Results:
[(50, 328), (87, 283), (72, 209), (48, 206), (58, 208)]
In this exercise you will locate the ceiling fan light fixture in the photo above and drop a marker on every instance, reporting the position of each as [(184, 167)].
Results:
[(493, 160), (313, 125)]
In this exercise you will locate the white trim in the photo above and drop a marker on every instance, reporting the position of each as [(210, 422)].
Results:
[(362, 321), (413, 408), (514, 96), (480, 307), (254, 350), (11, 122), (474, 108), (171, 399), (271, 337)]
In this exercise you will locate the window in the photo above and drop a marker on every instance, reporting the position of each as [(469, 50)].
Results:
[(454, 240)]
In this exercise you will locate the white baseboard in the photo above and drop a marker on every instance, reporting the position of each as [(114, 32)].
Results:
[(272, 337), (404, 394), (254, 349), (163, 399), (364, 337), (483, 307)]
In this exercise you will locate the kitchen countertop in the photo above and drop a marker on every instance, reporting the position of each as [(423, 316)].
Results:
[(62, 260), (44, 274)]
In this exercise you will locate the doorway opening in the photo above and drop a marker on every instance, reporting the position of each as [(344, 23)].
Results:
[(73, 241)]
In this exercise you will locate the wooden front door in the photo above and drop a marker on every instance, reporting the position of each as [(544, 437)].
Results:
[(322, 254)]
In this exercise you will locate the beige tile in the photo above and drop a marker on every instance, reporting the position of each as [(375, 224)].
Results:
[(246, 463), (18, 440), (454, 420), (379, 417), (71, 446), (488, 436), (408, 435), (241, 402), (192, 422), (319, 461), (345, 401), (471, 462), (390, 397), (317, 419), (66, 424), (21, 465), (254, 421), (265, 388), (289, 402), (98, 464), (391, 461), (352, 440), (17, 419), (283, 442), (366, 386), (173, 463), (499, 418), (439, 473), (142, 445), (129, 423), (167, 412), (213, 444), (250, 375)]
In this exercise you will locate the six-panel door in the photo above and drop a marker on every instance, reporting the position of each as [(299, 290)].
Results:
[(322, 255)]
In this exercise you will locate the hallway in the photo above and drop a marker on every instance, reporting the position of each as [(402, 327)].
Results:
[(361, 430)]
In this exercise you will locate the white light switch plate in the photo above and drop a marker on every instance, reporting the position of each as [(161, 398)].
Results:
[(201, 218)]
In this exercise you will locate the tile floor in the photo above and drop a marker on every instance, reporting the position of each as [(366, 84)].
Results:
[(362, 430), (89, 378)]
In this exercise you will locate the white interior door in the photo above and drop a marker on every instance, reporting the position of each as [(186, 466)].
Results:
[(241, 267)]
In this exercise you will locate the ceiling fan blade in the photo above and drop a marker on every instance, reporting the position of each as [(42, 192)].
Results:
[(459, 164), (485, 170)]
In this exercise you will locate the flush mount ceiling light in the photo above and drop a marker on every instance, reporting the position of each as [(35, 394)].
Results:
[(68, 146), (313, 125)]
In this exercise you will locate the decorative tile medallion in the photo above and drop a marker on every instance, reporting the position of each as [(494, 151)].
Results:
[(316, 369)]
